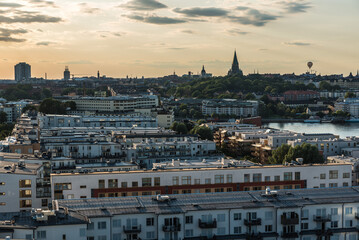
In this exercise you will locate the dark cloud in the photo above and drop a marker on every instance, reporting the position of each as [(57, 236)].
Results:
[(300, 44), (143, 5), (29, 17), (156, 19), (42, 3), (45, 43), (236, 31), (10, 5), (295, 6), (202, 12), (6, 35), (251, 16)]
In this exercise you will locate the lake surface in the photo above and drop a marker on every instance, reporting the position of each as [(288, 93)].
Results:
[(343, 130)]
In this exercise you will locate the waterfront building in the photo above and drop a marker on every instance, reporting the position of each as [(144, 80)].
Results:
[(230, 107)]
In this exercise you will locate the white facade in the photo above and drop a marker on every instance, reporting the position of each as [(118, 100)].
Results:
[(230, 107)]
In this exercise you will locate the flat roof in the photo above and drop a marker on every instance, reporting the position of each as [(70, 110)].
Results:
[(13, 168), (105, 207)]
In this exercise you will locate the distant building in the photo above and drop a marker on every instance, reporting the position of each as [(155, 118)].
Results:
[(22, 72), (67, 74), (204, 74), (230, 107), (300, 96), (235, 67)]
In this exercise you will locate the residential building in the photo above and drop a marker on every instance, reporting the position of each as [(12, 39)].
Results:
[(230, 107), (22, 72)]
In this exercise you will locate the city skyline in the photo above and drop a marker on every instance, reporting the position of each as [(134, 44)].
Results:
[(154, 38)]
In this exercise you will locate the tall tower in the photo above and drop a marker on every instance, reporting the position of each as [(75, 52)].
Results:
[(235, 67), (22, 72), (203, 72), (67, 74)]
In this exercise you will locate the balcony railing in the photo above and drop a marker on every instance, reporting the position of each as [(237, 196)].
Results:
[(209, 224), (254, 236), (289, 235), (289, 221), (319, 218), (324, 233), (252, 222), (133, 229), (172, 228)]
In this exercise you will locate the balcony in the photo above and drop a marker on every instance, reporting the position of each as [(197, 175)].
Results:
[(253, 222), (318, 218), (324, 233), (289, 235), (289, 221), (133, 229), (357, 215), (209, 224), (254, 236), (172, 228)]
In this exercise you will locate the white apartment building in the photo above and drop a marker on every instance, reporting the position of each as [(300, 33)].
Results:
[(305, 214), (230, 107), (328, 147), (116, 103), (276, 140), (195, 178), (59, 121), (22, 187)]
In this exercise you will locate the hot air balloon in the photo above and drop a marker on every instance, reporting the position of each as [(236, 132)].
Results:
[(310, 65)]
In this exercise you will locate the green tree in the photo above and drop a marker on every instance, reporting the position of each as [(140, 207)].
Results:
[(3, 117), (278, 155), (182, 128), (70, 104), (29, 108), (349, 95), (203, 132), (51, 106), (250, 96), (286, 153)]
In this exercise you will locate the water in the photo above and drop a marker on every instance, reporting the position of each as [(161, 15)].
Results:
[(343, 130)]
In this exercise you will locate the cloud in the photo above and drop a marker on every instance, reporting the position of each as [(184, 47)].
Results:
[(6, 35), (188, 31), (10, 5), (45, 43), (295, 6), (297, 43), (43, 3), (156, 19), (85, 8), (202, 12), (251, 16), (29, 17), (236, 31), (143, 5)]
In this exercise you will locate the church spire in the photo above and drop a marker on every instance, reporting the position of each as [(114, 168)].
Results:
[(235, 66)]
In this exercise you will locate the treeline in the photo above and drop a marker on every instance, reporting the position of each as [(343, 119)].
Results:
[(25, 91), (52, 106), (286, 153), (5, 130)]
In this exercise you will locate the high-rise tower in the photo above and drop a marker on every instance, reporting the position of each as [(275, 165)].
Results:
[(22, 72), (235, 70), (67, 74)]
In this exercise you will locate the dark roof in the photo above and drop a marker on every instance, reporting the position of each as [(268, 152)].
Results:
[(210, 201)]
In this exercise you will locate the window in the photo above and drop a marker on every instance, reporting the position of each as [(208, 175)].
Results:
[(83, 186), (101, 183), (207, 181), (24, 193), (305, 214), (267, 178), (186, 180), (304, 226), (288, 176), (237, 216), (221, 217), (276, 178), (322, 176), (25, 183), (257, 177), (229, 178), (348, 210), (219, 179), (334, 224), (157, 181), (189, 233), (25, 203), (345, 184), (333, 174), (197, 181), (246, 178), (189, 219), (116, 236), (134, 184), (268, 228), (268, 215), (150, 221), (91, 226), (150, 235), (237, 230), (146, 182), (297, 175), (102, 238), (112, 183), (322, 185), (116, 223), (28, 237), (41, 234), (346, 175), (101, 225), (348, 223), (334, 211), (333, 185)]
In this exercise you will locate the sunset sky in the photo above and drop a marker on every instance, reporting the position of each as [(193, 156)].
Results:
[(154, 38)]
